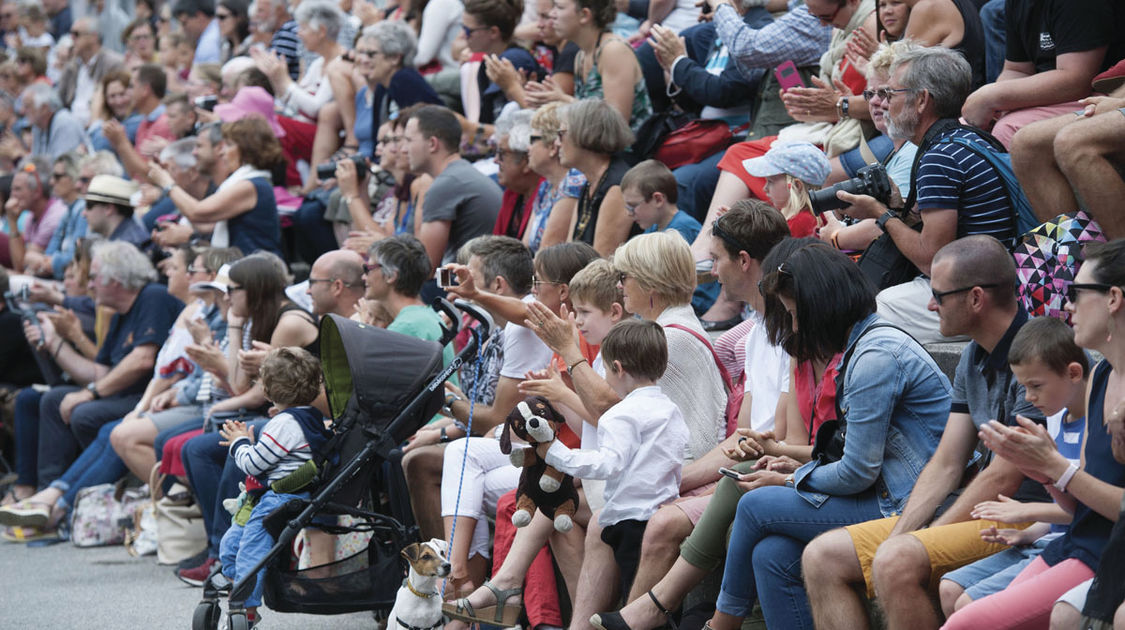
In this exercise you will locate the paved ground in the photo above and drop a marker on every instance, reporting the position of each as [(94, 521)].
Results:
[(104, 588)]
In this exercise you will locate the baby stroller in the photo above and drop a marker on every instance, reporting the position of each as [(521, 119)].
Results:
[(381, 386)]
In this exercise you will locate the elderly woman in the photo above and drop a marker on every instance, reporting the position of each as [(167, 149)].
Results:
[(553, 208), (243, 210), (591, 135), (385, 59)]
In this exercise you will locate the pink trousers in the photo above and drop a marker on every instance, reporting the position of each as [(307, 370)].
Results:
[(1027, 601)]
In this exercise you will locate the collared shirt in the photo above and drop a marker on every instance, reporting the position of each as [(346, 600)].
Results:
[(84, 86), (65, 239), (153, 124), (641, 441), (129, 231), (38, 232), (209, 49), (796, 36), (64, 134)]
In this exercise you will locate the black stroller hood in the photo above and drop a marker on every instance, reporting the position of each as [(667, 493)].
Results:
[(372, 374)]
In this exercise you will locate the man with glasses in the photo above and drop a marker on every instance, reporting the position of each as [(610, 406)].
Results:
[(52, 262), (899, 558), (954, 190), (336, 283), (85, 70)]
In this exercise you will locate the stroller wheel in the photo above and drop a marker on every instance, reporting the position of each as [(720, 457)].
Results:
[(238, 621), (206, 616)]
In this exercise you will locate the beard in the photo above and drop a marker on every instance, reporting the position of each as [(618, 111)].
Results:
[(904, 126)]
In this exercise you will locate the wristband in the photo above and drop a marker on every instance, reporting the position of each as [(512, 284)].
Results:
[(570, 368), (1064, 480), (881, 222)]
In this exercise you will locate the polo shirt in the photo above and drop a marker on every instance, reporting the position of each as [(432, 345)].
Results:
[(153, 124)]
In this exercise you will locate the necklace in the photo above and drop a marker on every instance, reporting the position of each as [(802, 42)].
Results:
[(586, 205)]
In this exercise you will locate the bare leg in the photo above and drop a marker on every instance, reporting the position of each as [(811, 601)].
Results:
[(729, 190), (422, 467), (525, 546), (133, 440), (901, 572), (461, 572), (723, 621), (327, 140), (1043, 182), (832, 575), (568, 547), (1065, 617), (641, 613), (322, 552), (598, 582), (343, 94), (1087, 152), (660, 549), (950, 594)]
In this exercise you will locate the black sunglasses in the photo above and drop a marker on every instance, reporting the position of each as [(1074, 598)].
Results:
[(938, 295), (1073, 289)]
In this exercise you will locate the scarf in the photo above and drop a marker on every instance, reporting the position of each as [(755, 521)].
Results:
[(221, 236)]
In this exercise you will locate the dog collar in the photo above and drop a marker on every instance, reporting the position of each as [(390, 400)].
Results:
[(415, 591)]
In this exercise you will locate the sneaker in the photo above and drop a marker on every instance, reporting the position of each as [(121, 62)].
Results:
[(193, 561), (196, 576)]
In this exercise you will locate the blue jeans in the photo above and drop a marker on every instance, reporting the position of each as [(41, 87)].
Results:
[(59, 442), (696, 185), (214, 477), (995, 38), (97, 464), (243, 546), (771, 528), (27, 437)]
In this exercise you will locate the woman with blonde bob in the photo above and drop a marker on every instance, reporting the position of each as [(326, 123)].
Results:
[(591, 134)]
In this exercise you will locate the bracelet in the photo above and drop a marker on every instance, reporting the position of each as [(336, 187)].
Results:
[(570, 368), (58, 348), (1064, 480), (835, 240)]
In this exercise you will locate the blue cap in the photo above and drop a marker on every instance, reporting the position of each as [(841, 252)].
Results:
[(799, 159)]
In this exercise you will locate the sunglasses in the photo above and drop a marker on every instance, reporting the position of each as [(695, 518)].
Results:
[(469, 31), (621, 275), (369, 267), (885, 93), (1073, 289), (537, 282), (939, 295)]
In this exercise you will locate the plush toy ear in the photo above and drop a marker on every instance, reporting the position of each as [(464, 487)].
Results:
[(506, 438)]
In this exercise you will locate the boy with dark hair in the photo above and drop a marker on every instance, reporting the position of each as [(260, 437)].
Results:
[(641, 441), (291, 380)]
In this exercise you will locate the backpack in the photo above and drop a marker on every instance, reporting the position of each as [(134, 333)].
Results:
[(998, 157), (1047, 259)]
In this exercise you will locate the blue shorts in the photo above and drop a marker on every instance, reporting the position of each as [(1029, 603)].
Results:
[(994, 573), (882, 146)]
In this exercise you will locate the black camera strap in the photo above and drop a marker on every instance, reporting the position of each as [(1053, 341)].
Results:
[(936, 129)]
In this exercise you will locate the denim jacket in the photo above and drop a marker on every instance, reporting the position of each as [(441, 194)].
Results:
[(896, 403)]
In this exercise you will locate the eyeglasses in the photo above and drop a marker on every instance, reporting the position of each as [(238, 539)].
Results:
[(313, 281), (57, 175), (939, 295), (621, 275), (1073, 289), (194, 269), (231, 288), (884, 93), (223, 16), (827, 19), (534, 138), (562, 134), (631, 209), (469, 31), (369, 267), (537, 282), (85, 180), (366, 52), (502, 155)]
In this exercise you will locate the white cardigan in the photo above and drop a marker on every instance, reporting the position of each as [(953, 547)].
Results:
[(693, 381)]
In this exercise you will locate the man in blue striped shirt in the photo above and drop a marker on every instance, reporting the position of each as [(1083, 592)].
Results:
[(957, 192)]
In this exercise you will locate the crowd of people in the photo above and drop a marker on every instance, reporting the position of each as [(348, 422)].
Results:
[(718, 239)]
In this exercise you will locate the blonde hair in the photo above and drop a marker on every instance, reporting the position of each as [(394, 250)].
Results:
[(596, 284), (548, 119), (798, 196), (884, 57), (660, 262)]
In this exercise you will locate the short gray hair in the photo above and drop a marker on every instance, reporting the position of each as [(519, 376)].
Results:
[(70, 161), (942, 72), (516, 124), (124, 263), (318, 13), (42, 94), (104, 163), (180, 152), (395, 38)]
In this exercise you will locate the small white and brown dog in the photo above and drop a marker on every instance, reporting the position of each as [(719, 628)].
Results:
[(418, 603)]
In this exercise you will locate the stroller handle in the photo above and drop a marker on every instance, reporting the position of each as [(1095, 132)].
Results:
[(487, 325)]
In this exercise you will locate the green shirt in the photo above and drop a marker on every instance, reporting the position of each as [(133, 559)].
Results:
[(422, 322)]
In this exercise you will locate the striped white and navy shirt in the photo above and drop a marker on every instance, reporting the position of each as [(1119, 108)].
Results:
[(951, 176), (280, 449)]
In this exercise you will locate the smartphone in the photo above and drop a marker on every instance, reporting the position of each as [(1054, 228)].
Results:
[(445, 277), (787, 76), (727, 472)]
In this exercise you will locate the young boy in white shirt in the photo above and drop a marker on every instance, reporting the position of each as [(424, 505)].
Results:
[(641, 441)]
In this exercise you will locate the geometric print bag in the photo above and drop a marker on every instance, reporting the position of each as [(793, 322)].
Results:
[(1048, 258)]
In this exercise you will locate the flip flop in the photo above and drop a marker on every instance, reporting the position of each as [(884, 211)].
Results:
[(498, 614), (27, 534), (25, 513)]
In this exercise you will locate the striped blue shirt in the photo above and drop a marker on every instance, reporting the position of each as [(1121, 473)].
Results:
[(953, 177)]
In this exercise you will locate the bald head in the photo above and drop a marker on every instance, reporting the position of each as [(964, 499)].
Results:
[(978, 261), (345, 265), (336, 282)]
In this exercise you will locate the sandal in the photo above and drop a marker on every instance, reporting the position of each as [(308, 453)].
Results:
[(614, 620), (25, 514), (27, 534), (499, 614)]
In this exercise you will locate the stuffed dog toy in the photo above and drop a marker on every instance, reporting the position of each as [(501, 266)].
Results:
[(541, 486), (418, 602)]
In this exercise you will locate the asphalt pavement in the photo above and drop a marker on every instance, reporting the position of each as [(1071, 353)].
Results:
[(104, 588)]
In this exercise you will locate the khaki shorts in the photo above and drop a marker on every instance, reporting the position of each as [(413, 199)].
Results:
[(949, 546)]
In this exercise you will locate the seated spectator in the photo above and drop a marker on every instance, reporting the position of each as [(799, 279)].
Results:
[(29, 193), (974, 281), (234, 27), (109, 212), (461, 203), (149, 86), (243, 207), (1053, 53), (649, 191), (31, 66), (180, 161), (591, 136), (1062, 159), (792, 170), (140, 43), (54, 130), (557, 197), (271, 23), (957, 192), (438, 24), (553, 53), (113, 101), (71, 226), (515, 175), (197, 18), (488, 26), (256, 101), (90, 61), (18, 361), (605, 68)]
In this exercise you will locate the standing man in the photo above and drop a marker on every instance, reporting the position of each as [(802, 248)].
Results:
[(91, 62), (899, 558), (461, 203)]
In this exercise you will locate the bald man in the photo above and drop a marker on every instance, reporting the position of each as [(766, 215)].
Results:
[(336, 283)]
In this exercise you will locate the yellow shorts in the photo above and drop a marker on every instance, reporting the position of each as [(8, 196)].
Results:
[(949, 546)]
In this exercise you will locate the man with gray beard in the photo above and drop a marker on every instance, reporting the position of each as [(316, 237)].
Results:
[(954, 191)]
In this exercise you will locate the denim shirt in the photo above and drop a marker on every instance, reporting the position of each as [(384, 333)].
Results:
[(65, 239), (896, 402)]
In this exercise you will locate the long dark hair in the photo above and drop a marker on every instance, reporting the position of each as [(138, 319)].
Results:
[(830, 293), (263, 280)]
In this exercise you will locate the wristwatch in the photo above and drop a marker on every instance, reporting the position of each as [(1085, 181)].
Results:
[(881, 222), (93, 389), (842, 106), (444, 436)]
